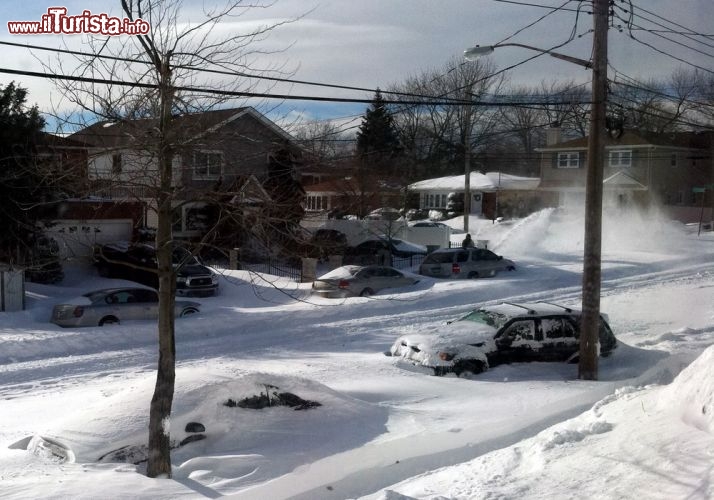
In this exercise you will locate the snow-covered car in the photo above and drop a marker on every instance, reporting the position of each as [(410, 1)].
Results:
[(498, 334), (113, 305), (351, 281), (464, 263), (384, 213), (378, 251)]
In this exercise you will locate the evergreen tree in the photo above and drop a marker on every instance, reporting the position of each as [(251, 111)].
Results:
[(377, 138), (21, 185)]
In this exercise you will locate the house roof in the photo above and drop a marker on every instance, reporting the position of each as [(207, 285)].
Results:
[(351, 184), (488, 182), (631, 138), (623, 181), (45, 139), (127, 133)]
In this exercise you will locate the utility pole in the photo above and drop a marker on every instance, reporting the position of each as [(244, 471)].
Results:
[(467, 163), (592, 276)]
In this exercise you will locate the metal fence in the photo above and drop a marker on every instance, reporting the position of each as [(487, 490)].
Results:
[(274, 267), (407, 262)]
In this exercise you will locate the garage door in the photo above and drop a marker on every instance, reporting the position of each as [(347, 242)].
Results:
[(77, 237)]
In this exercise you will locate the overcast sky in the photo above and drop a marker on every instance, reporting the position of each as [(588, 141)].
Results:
[(375, 43)]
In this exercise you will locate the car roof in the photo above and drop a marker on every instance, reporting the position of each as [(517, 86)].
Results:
[(107, 291), (513, 309)]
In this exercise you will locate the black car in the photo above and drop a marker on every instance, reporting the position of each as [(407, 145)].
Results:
[(136, 262), (378, 250), (326, 242), (44, 264)]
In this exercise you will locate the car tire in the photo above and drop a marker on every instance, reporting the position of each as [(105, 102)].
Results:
[(109, 320), (188, 311), (473, 275), (469, 366), (366, 292)]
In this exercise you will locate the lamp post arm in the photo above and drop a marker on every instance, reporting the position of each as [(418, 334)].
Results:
[(478, 51)]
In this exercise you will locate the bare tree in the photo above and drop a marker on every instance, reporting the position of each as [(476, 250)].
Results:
[(166, 71), (439, 135)]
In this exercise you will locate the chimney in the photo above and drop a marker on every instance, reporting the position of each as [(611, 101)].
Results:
[(552, 134)]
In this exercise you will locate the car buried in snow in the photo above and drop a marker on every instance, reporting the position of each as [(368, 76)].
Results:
[(498, 334)]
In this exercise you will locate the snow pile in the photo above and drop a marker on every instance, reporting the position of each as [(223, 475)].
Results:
[(692, 393), (639, 442)]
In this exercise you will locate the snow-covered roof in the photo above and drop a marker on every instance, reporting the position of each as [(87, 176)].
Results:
[(622, 180), (488, 182)]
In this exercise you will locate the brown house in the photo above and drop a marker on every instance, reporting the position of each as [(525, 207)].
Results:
[(213, 151), (671, 169)]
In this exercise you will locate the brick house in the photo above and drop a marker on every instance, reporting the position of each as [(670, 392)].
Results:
[(642, 168), (225, 150)]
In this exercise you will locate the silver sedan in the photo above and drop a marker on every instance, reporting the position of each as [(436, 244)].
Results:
[(113, 305), (351, 281)]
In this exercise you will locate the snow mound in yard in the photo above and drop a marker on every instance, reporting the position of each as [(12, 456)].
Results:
[(692, 393), (635, 443)]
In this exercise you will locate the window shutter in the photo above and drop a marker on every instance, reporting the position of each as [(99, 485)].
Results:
[(582, 157), (554, 160)]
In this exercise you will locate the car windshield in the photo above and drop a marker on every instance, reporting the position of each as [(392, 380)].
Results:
[(490, 318)]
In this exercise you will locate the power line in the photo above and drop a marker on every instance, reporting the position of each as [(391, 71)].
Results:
[(526, 4), (208, 70), (541, 18), (235, 93)]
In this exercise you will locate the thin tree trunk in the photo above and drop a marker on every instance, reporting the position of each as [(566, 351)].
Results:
[(159, 463)]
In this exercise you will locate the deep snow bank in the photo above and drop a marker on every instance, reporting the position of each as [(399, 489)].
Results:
[(692, 393)]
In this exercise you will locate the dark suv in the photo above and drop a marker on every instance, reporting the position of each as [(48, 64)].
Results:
[(136, 262)]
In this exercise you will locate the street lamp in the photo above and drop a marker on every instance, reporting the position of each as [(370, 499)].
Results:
[(590, 319), (473, 53)]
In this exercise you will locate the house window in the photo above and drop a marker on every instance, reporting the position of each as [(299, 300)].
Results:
[(116, 163), (568, 160), (621, 158), (317, 203), (207, 164), (435, 201), (679, 200), (673, 160)]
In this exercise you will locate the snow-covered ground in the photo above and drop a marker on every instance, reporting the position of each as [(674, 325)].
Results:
[(383, 430)]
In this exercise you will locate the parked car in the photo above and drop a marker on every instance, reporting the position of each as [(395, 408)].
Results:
[(326, 242), (135, 263), (464, 263), (351, 281), (428, 223), (378, 250), (44, 264), (498, 334), (384, 213), (114, 305)]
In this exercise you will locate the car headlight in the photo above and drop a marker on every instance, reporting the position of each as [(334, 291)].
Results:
[(181, 279), (214, 279), (445, 356)]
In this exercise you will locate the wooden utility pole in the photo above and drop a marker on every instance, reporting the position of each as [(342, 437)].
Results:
[(467, 163), (590, 321)]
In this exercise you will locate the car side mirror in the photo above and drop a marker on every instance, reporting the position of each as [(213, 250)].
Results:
[(500, 257)]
